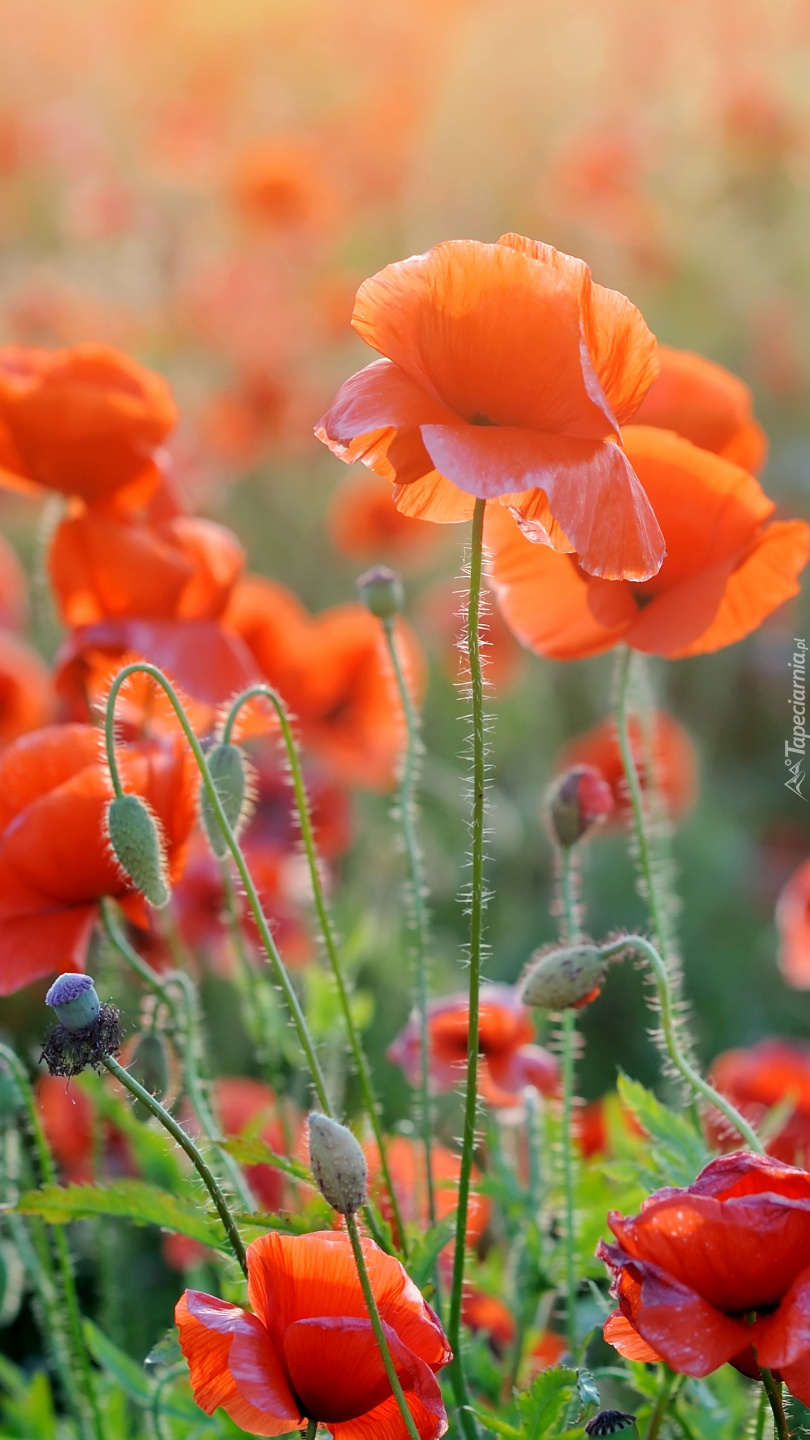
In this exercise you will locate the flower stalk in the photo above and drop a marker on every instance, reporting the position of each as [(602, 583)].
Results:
[(568, 881), (377, 1327)]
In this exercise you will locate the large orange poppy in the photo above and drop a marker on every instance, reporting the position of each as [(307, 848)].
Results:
[(332, 671), (707, 405), (55, 859), (725, 569), (82, 421), (306, 1350), (507, 376)]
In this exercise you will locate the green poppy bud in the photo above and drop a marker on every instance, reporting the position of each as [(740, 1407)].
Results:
[(229, 774), (563, 979), (137, 846), (380, 590), (338, 1164)]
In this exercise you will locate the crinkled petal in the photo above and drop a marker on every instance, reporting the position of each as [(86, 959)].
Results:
[(371, 408), (213, 1337), (784, 1338), (619, 1332)]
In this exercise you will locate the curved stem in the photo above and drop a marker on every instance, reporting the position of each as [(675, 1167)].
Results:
[(328, 935), (568, 1053), (681, 1062), (185, 1025), (377, 1327), (279, 969), (69, 1297), (476, 912), (417, 897), (187, 1144), (774, 1394)]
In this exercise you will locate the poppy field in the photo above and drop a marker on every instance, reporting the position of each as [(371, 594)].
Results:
[(404, 843)]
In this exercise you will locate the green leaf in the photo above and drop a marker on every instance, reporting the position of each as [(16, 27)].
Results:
[(426, 1250), (128, 1199), (491, 1422), (543, 1405), (165, 1353), (125, 1371), (253, 1151), (679, 1152)]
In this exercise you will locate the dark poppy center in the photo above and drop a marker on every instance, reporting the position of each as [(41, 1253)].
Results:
[(479, 419), (641, 597)]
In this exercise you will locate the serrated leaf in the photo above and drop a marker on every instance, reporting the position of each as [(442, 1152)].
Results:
[(128, 1199), (253, 1151), (679, 1152), (587, 1388), (544, 1403)]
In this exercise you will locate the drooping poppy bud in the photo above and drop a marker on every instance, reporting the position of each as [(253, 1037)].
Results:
[(137, 844), (229, 774), (338, 1164), (564, 979), (75, 1001), (87, 1031), (380, 590), (578, 800), (609, 1422)]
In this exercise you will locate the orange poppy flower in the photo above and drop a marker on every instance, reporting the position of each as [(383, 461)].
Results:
[(724, 572), (307, 1350), (106, 566), (509, 1059), (673, 759), (793, 923), (707, 405), (26, 691), (483, 1312), (469, 405), (278, 185), (364, 525), (55, 861), (770, 1073), (333, 673), (406, 1162), (82, 421)]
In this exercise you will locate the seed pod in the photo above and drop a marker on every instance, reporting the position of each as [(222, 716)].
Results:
[(87, 1031), (338, 1164), (229, 773), (137, 846), (578, 800), (609, 1422), (564, 979), (75, 1001), (380, 590)]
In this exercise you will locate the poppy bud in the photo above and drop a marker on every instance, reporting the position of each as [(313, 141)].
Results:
[(338, 1164), (564, 979), (578, 800), (137, 846), (229, 775), (75, 1001), (609, 1422), (380, 590)]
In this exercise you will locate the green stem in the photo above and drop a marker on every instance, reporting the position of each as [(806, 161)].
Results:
[(163, 1431), (646, 859), (377, 1327), (187, 1144), (417, 896), (311, 1430), (64, 1265), (774, 1394), (568, 1054), (279, 969), (660, 1407), (327, 933), (184, 1020), (680, 1060), (476, 913), (762, 1410)]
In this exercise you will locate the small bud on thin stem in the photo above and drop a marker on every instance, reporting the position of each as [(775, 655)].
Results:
[(338, 1164), (136, 843), (564, 978), (380, 590), (578, 800), (87, 1031), (226, 766)]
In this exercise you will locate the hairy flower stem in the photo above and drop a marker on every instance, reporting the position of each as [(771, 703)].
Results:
[(476, 912), (327, 933), (417, 893), (568, 887), (311, 1430), (187, 1144), (184, 1020), (377, 1327), (85, 1405), (279, 969), (680, 1060), (774, 1394)]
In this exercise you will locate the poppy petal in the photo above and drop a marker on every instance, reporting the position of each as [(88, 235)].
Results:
[(784, 1338), (212, 1335), (622, 1335), (589, 487), (37, 944), (384, 1422), (370, 408), (689, 1333), (707, 405), (434, 498)]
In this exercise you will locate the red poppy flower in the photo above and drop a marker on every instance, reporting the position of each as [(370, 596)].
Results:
[(510, 1061), (83, 421), (483, 1312), (26, 692), (770, 1073), (406, 1162), (68, 1118), (707, 405), (718, 1272), (725, 569), (793, 923), (673, 759), (55, 861), (469, 405), (307, 1350), (364, 525), (333, 673)]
